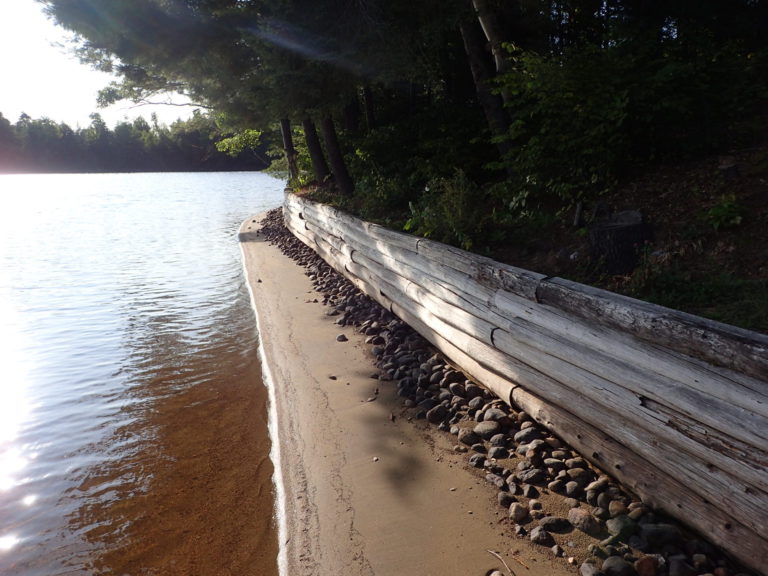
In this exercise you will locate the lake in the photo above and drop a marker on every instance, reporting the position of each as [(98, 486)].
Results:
[(133, 432)]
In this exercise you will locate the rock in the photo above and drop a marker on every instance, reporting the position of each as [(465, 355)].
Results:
[(527, 434), (477, 460), (622, 527), (487, 429), (437, 414), (473, 391), (589, 569), (496, 480), (580, 475), (341, 338), (479, 447), (505, 499), (427, 404), (457, 389), (617, 566), (499, 440), (534, 504), (647, 565), (555, 524), (498, 452), (468, 437), (530, 491), (540, 536), (582, 520), (494, 415), (573, 488), (518, 512), (532, 476), (617, 508), (557, 551), (679, 567)]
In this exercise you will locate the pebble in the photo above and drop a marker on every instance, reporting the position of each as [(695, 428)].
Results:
[(341, 338), (518, 512), (621, 526), (505, 499), (487, 429), (582, 520), (617, 566), (468, 437), (555, 524), (540, 536), (498, 452)]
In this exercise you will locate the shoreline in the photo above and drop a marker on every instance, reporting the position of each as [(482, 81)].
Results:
[(366, 488), (366, 449)]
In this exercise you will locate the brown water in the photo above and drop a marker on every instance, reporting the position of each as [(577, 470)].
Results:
[(133, 434)]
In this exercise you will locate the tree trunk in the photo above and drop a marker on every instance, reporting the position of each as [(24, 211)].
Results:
[(319, 165), (491, 103), (290, 151), (492, 30), (338, 166)]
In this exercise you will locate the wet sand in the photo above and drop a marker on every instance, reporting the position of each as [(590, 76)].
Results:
[(363, 494)]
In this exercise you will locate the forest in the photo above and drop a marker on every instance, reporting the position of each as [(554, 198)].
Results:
[(43, 145), (508, 127)]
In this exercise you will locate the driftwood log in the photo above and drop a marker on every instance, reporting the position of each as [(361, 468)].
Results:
[(673, 406)]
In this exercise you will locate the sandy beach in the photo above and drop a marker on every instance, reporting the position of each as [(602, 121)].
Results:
[(364, 489)]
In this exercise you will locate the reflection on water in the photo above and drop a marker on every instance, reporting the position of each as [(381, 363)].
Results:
[(132, 415)]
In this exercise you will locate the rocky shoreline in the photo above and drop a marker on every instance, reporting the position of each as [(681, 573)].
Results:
[(547, 494)]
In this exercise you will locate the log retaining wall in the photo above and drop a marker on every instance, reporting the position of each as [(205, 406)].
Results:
[(673, 406)]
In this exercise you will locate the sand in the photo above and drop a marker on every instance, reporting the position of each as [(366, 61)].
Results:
[(359, 493)]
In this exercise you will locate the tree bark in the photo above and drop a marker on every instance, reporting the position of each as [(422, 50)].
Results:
[(491, 103), (492, 30), (338, 166), (319, 165), (290, 151)]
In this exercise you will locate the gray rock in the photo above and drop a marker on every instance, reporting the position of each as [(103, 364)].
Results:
[(622, 527), (487, 429), (505, 499), (498, 452), (617, 566), (540, 536), (472, 391), (479, 447), (555, 524), (518, 512), (589, 569), (476, 402), (573, 488), (495, 479), (437, 414), (477, 460), (427, 404), (576, 463), (494, 415), (468, 437), (341, 338), (532, 476), (527, 435), (499, 440), (457, 389), (584, 521), (530, 491)]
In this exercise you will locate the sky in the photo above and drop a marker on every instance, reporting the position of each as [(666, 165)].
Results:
[(40, 78)]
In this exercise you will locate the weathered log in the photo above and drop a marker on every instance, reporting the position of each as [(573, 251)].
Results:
[(714, 342), (648, 397)]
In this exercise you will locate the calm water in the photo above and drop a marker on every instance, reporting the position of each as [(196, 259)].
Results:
[(132, 433)]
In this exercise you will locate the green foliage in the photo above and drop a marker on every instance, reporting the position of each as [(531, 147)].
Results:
[(726, 213), (567, 124), (454, 210)]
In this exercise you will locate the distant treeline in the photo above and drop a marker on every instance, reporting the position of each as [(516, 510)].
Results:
[(43, 145)]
